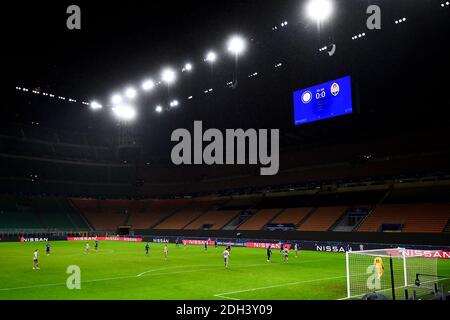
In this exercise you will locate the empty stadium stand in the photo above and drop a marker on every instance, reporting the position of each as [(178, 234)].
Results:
[(39, 213), (259, 219), (215, 220), (323, 218), (292, 216), (418, 217), (185, 216), (14, 216), (154, 212), (103, 214)]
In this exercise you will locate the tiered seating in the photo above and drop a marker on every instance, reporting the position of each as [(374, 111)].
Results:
[(259, 219), (291, 216), (153, 212), (421, 217), (13, 216), (52, 213), (323, 219), (217, 219), (101, 216), (182, 218)]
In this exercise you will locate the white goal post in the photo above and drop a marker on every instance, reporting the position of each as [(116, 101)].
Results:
[(390, 272)]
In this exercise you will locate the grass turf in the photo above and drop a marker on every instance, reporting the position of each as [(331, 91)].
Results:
[(121, 270)]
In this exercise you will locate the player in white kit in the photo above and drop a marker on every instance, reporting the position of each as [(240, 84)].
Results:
[(166, 251), (285, 253), (87, 248), (226, 256), (35, 260)]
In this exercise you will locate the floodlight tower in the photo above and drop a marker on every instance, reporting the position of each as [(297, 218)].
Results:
[(319, 10), (168, 76), (211, 58), (236, 45)]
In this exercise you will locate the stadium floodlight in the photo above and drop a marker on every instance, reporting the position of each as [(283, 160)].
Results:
[(95, 105), (236, 45), (211, 57), (174, 103), (131, 93), (116, 99), (148, 85), (124, 112), (168, 76), (159, 109), (187, 67), (319, 10)]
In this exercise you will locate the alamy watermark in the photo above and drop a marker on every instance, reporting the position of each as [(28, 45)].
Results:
[(74, 280), (374, 20), (233, 147), (73, 22)]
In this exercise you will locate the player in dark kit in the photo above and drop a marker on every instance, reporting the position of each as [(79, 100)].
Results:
[(177, 242), (147, 246), (47, 248), (96, 245), (269, 253), (206, 245)]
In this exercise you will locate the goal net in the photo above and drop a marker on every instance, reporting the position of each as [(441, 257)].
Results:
[(391, 272)]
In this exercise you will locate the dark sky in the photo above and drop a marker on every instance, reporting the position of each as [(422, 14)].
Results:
[(122, 42), (126, 40)]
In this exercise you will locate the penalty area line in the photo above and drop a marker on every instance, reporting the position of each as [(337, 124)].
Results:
[(227, 294)]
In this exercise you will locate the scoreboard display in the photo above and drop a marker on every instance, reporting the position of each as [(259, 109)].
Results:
[(327, 100)]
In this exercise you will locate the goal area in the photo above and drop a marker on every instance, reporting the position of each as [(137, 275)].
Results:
[(390, 272)]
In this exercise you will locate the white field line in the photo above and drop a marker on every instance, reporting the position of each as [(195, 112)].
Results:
[(388, 289), (58, 254), (146, 274), (227, 294), (129, 277)]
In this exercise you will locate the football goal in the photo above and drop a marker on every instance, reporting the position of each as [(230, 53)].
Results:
[(390, 272)]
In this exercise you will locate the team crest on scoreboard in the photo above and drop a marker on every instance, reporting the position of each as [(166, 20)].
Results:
[(306, 97), (335, 89)]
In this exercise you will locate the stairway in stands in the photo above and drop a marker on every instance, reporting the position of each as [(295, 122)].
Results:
[(447, 227)]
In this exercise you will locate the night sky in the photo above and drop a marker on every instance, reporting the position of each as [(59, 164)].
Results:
[(122, 43)]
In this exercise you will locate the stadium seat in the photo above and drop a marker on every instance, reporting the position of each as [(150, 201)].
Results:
[(259, 219), (291, 216), (185, 216), (217, 219), (323, 218), (419, 217)]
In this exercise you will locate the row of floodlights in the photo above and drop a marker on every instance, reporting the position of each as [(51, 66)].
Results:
[(235, 45), (400, 20)]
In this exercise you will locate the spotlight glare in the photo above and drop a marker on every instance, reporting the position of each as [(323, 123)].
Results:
[(236, 45), (168, 76), (148, 85), (124, 112), (187, 67), (131, 93), (95, 105), (174, 103), (159, 109), (211, 57), (116, 99), (319, 10)]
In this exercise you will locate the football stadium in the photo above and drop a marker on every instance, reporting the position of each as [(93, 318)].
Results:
[(227, 151)]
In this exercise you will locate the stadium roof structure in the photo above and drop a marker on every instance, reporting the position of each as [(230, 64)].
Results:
[(121, 46)]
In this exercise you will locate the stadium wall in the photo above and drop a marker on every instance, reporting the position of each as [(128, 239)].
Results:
[(435, 251), (434, 239)]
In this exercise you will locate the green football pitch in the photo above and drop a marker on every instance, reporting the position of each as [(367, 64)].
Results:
[(122, 271)]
